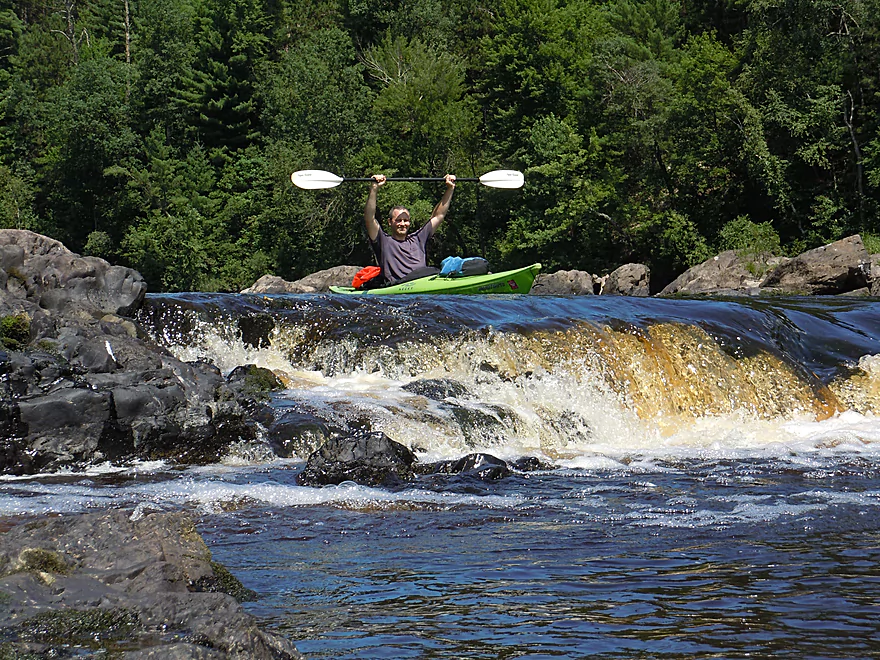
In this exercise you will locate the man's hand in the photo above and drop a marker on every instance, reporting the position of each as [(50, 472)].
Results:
[(378, 180)]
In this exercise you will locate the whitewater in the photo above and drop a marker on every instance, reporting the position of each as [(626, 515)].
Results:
[(705, 484)]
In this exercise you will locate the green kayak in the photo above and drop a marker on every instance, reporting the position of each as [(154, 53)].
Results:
[(510, 281)]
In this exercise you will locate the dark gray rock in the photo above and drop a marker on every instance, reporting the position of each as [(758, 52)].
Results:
[(298, 433), (564, 283), (371, 459), (484, 467), (256, 330), (628, 280), (438, 389), (836, 268), (41, 272), (108, 580)]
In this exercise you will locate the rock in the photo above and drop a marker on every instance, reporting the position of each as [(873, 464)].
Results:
[(839, 267), (484, 467), (271, 284), (726, 272), (628, 280), (298, 433), (41, 271), (319, 282), (371, 459), (564, 282), (875, 275), (256, 330), (438, 389), (114, 580)]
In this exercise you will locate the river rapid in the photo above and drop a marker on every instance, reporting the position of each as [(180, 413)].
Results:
[(708, 482)]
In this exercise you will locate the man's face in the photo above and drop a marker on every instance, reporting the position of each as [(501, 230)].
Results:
[(399, 223)]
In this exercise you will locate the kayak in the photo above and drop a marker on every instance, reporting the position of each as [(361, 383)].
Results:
[(518, 280)]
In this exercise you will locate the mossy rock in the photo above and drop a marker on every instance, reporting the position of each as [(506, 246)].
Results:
[(15, 331), (91, 628), (39, 560), (255, 381)]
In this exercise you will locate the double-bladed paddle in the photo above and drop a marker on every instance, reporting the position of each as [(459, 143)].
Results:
[(318, 179)]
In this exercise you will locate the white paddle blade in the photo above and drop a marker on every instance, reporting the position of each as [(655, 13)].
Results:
[(315, 179), (503, 179)]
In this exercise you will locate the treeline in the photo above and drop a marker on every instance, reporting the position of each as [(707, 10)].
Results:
[(161, 134)]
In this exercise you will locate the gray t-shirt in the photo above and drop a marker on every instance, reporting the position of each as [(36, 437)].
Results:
[(399, 258)]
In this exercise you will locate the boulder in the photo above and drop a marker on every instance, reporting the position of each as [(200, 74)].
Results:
[(727, 272), (116, 580), (41, 271), (371, 459), (628, 280), (319, 282), (563, 283), (839, 267)]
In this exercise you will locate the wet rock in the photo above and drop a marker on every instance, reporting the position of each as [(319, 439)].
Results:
[(836, 268), (82, 384), (371, 459), (628, 280), (297, 434), (256, 330), (563, 283), (875, 275), (484, 467), (438, 389), (109, 581), (531, 464), (254, 380)]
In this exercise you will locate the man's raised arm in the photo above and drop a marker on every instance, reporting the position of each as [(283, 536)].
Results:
[(443, 205), (370, 221)]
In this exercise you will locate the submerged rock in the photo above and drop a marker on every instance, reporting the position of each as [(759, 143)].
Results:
[(298, 433), (128, 585)]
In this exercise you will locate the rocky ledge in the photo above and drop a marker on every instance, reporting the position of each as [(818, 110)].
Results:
[(841, 268), (80, 382), (123, 585)]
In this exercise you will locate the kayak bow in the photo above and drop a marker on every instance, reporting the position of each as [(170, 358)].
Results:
[(518, 280)]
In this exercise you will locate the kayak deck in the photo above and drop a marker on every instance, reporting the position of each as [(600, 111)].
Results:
[(518, 280)]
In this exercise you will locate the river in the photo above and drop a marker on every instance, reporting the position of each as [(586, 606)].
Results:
[(707, 480)]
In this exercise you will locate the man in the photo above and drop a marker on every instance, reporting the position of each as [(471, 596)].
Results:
[(401, 253)]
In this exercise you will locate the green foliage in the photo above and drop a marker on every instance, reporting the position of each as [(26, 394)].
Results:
[(754, 243), (427, 122), (871, 242), (17, 192), (744, 235), (678, 243), (99, 244)]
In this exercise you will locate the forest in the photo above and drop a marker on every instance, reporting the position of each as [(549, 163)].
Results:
[(161, 134)]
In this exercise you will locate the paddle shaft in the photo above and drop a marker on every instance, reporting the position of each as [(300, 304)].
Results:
[(411, 178)]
